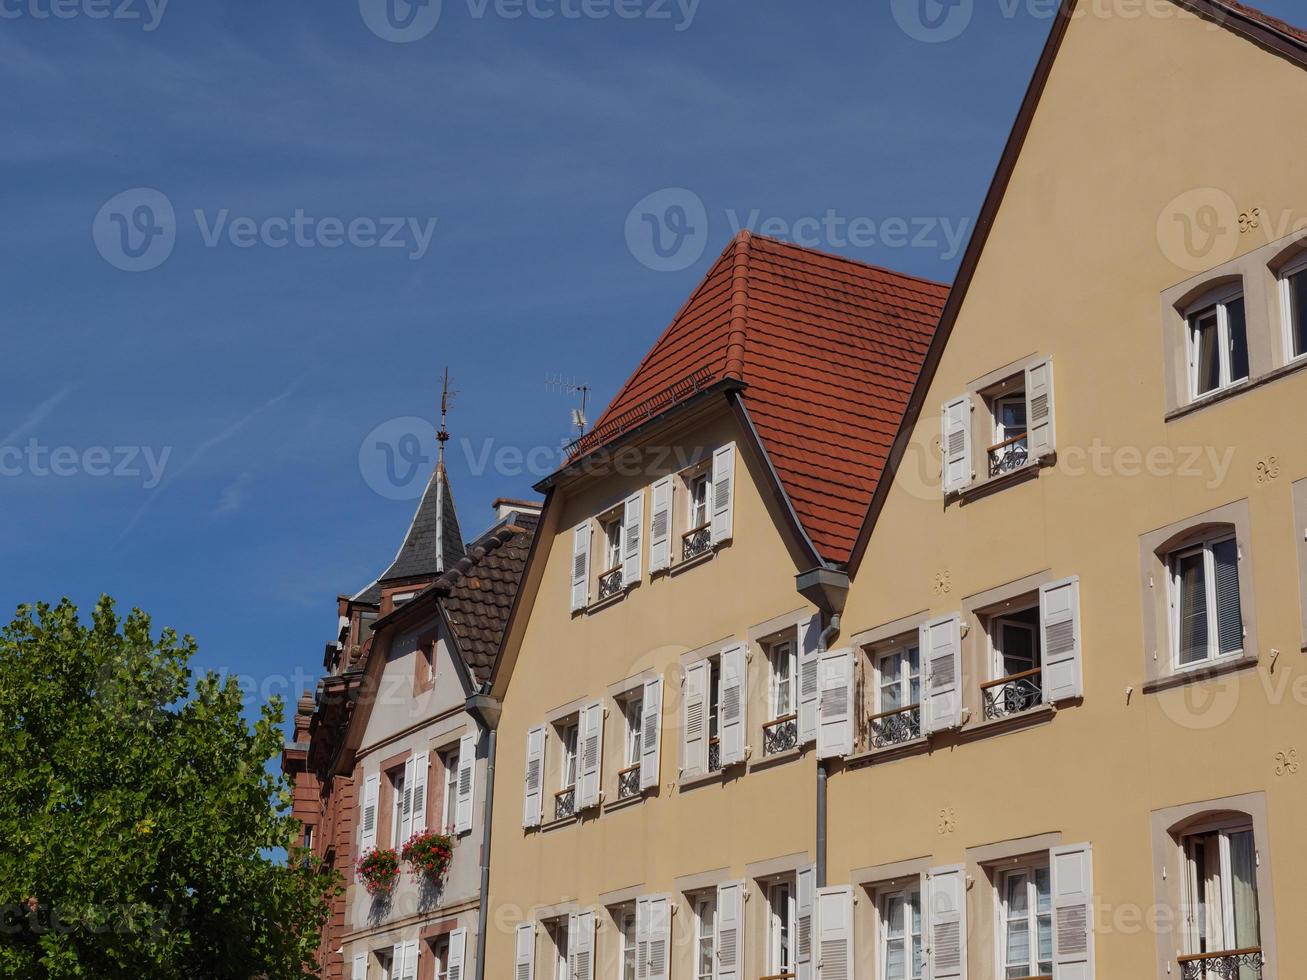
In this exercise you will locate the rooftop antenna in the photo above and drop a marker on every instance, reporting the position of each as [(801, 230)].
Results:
[(569, 386)]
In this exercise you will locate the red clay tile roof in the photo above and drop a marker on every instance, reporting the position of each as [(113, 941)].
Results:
[(1274, 23), (829, 350)]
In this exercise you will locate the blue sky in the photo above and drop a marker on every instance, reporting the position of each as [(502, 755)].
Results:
[(237, 386)]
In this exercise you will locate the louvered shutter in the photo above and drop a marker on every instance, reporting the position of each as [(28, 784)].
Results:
[(947, 922), (360, 968), (730, 931), (1059, 621), (533, 806), (1040, 424), (369, 819), (410, 971), (1073, 918), (733, 704), (723, 493), (421, 766), (642, 917), (957, 444), (941, 656), (581, 945), (805, 913), (592, 754), (467, 762), (525, 956), (835, 712), (695, 748), (655, 951), (835, 930), (1229, 616), (456, 966), (809, 644), (660, 526), (581, 566), (405, 804), (633, 539), (651, 734)]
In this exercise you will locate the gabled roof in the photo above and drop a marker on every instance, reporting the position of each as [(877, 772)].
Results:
[(1260, 28), (827, 350)]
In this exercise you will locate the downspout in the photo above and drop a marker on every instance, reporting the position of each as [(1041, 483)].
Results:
[(827, 589), (486, 711)]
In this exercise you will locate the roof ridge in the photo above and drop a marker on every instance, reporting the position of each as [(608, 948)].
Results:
[(848, 260), (737, 338)]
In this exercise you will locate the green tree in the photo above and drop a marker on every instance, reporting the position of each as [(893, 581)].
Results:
[(141, 829)]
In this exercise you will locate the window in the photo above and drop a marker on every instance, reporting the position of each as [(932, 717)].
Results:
[(557, 933), (1223, 916), (626, 963), (1218, 344), (1011, 448), (400, 808), (1016, 683), (1026, 923), (897, 717), (714, 715), (449, 805), (902, 951), (780, 928), (1293, 287), (628, 780), (784, 677), (565, 798), (612, 544), (705, 938), (1206, 621), (568, 733), (698, 498), (440, 957)]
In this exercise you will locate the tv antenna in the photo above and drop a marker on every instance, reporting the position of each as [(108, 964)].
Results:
[(569, 386)]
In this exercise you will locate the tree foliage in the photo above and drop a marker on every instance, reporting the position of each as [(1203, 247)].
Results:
[(140, 826)]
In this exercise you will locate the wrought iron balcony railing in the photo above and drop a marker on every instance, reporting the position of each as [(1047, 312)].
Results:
[(1008, 455), (1013, 695), (565, 803), (697, 542), (628, 782), (895, 727), (714, 755), (780, 735), (610, 583), (1237, 964)]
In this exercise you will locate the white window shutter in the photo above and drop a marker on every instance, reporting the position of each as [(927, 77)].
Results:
[(642, 922), (805, 966), (533, 806), (723, 493), (467, 762), (809, 643), (581, 566), (525, 952), (651, 734), (1073, 917), (835, 711), (941, 657), (456, 966), (369, 820), (733, 703), (660, 526), (946, 937), (835, 928), (694, 753), (957, 444), (730, 931), (421, 766), (581, 946), (591, 738), (360, 968), (405, 804), (1059, 622), (633, 539), (656, 964), (1040, 422)]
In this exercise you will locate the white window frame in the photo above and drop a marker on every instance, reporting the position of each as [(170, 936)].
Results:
[(1218, 301), (449, 801), (1008, 618), (1223, 829), (883, 900), (397, 787), (556, 930), (899, 652), (633, 713), (569, 734), (1001, 916), (705, 931), (611, 526), (782, 652), (782, 927), (1298, 265), (440, 957), (626, 943), (698, 481), (1206, 546)]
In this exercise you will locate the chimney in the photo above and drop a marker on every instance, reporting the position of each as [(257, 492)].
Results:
[(505, 506)]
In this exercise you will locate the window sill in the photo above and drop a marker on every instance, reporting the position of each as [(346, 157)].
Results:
[(559, 823), (706, 779), (1180, 678), (630, 801), (871, 757), (993, 484), (1216, 397), (1040, 715), (779, 759), (684, 566), (612, 600)]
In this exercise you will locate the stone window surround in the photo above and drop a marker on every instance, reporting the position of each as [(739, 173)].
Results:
[(1154, 547), (1300, 539), (1168, 825), (984, 864), (1268, 357)]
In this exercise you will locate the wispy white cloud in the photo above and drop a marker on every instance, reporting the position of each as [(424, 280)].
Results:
[(37, 415), (233, 495)]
